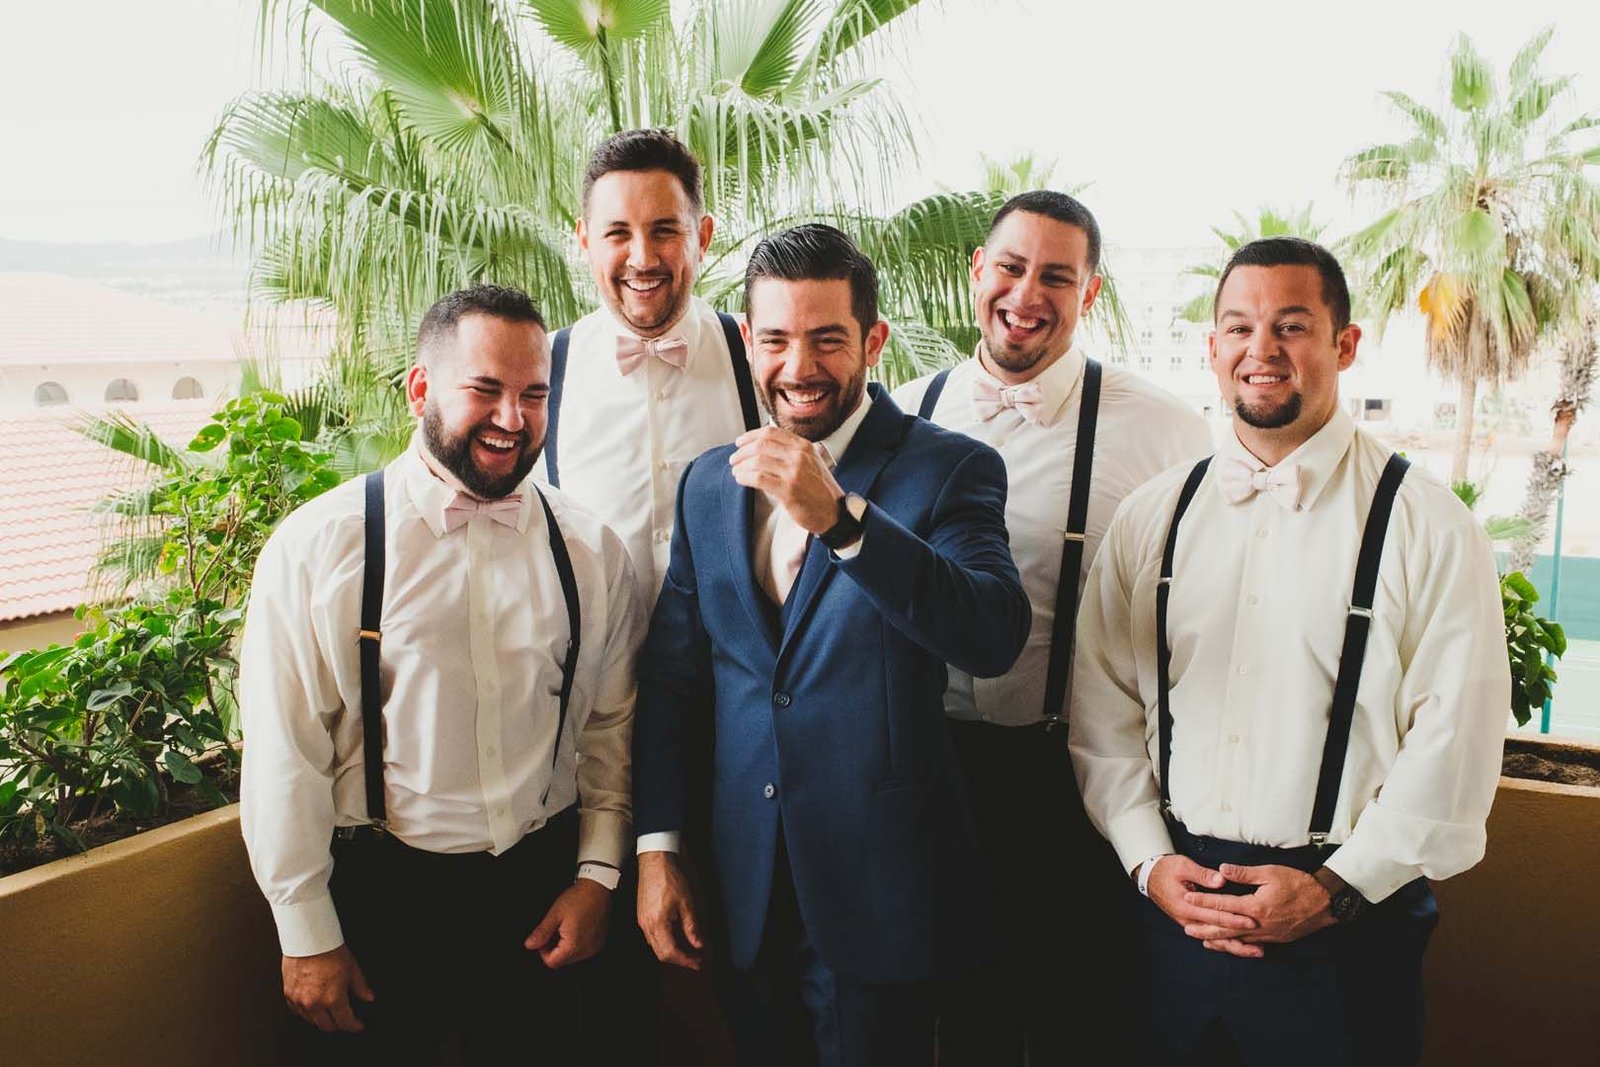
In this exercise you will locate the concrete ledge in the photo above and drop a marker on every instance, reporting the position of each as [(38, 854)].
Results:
[(155, 949)]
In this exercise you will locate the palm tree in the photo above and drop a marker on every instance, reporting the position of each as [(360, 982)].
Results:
[(447, 150), (1580, 365), (1493, 223), (1268, 222)]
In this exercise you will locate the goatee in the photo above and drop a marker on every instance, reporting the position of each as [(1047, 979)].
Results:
[(454, 454)]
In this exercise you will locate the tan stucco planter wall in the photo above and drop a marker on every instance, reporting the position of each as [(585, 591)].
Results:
[(155, 949), (1513, 973)]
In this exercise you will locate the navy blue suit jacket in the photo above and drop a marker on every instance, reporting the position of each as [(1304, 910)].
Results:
[(829, 722)]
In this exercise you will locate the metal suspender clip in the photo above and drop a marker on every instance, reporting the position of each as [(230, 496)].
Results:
[(1319, 839), (371, 635), (1365, 613), (1073, 535), (1053, 721)]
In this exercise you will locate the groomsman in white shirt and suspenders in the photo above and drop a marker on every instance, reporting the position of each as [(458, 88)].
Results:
[(1289, 699), (640, 387), (437, 698), (1076, 437)]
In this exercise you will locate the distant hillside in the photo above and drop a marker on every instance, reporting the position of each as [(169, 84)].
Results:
[(200, 273)]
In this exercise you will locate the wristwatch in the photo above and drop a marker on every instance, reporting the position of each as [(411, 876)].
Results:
[(1344, 900), (847, 527)]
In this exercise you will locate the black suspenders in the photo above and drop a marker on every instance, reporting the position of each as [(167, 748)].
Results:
[(558, 376), (371, 636), (1351, 657), (1064, 631)]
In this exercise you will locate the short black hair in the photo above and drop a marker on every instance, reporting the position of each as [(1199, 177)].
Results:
[(1294, 252), (644, 150), (1058, 206), (816, 251), (501, 301)]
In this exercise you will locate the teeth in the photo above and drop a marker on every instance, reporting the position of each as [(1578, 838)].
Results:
[(1264, 379), (498, 442), (644, 285), (801, 397), (1019, 322)]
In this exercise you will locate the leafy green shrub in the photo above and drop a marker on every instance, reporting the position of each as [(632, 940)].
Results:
[(104, 724), (1528, 637)]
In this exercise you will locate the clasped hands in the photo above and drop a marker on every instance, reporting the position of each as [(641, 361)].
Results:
[(1288, 904), (320, 988), (790, 470)]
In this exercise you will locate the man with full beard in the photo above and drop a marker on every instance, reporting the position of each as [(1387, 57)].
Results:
[(1289, 701), (1077, 438), (437, 691), (824, 570)]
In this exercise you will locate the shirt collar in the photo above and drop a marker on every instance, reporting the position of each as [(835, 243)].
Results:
[(839, 440), (430, 494), (1318, 456), (687, 327), (1058, 382)]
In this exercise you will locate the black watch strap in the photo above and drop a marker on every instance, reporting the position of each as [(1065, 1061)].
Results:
[(844, 530)]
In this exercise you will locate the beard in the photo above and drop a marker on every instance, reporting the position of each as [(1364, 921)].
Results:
[(454, 454), (1014, 360), (671, 311), (1269, 416), (818, 427)]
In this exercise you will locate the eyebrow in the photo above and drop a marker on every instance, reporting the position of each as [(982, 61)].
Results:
[(486, 379), (664, 219), (1292, 309), (1006, 253), (774, 332)]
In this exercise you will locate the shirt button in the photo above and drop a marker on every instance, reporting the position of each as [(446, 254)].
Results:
[(1254, 600), (491, 752), (1261, 532), (1233, 739), (665, 465), (769, 790), (500, 812), (1225, 806), (1243, 669), (986, 717), (662, 536), (661, 394)]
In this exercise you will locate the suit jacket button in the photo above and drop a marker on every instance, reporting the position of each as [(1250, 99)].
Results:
[(783, 700), (769, 791)]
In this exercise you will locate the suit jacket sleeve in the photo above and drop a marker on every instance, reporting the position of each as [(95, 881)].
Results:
[(675, 689), (957, 593)]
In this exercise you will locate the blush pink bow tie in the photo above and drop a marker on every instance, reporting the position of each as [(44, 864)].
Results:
[(989, 398), (632, 351), (462, 507), (1239, 480)]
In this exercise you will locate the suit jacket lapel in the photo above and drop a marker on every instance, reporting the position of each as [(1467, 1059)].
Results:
[(738, 515), (872, 447)]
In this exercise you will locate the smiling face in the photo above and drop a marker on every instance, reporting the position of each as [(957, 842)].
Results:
[(1031, 282), (1277, 356), (808, 354), (643, 238), (482, 397)]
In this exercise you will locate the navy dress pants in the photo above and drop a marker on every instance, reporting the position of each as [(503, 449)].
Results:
[(791, 1010), (1062, 991), (439, 939), (1347, 996)]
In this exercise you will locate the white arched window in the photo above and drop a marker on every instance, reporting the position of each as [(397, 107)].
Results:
[(49, 394), (121, 389), (187, 388)]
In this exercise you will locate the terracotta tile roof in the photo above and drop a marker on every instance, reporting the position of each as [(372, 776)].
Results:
[(50, 319), (50, 478)]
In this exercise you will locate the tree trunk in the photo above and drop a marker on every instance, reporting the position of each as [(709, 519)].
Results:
[(1464, 406)]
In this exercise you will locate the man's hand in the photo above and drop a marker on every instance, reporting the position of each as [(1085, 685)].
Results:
[(318, 989), (575, 926), (787, 468), (1172, 884), (1287, 905), (666, 910)]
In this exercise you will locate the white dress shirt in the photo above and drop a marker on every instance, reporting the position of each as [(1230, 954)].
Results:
[(1258, 603), (474, 636), (1142, 431), (624, 440)]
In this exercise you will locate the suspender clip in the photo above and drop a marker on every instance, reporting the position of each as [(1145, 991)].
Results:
[(1053, 721), (371, 635), (1319, 839), (1073, 535), (1166, 579), (1365, 613)]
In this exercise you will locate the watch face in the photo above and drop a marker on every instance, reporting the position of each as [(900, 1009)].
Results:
[(1344, 905)]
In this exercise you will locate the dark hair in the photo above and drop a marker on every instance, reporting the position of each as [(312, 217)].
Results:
[(1058, 206), (501, 301), (1294, 252), (817, 252), (644, 150)]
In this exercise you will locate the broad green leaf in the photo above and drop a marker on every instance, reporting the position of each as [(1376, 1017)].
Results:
[(102, 698), (578, 24), (208, 437), (1471, 82), (181, 767), (1520, 585)]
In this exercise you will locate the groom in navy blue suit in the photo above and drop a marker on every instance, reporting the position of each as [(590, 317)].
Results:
[(823, 571)]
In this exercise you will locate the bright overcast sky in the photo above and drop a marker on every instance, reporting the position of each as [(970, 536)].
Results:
[(1174, 114)]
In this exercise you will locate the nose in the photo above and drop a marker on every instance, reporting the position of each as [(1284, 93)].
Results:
[(799, 362), (1264, 345), (641, 253), (509, 414)]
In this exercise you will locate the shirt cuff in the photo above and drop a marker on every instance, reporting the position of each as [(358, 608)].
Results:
[(602, 837), (661, 841), (1139, 834), (308, 928), (853, 549), (1375, 877), (600, 873)]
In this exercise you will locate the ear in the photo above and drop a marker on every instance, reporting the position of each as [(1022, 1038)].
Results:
[(416, 388), (977, 264), (1090, 293), (1211, 350), (744, 331), (1348, 339), (707, 226), (877, 337), (583, 236)]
